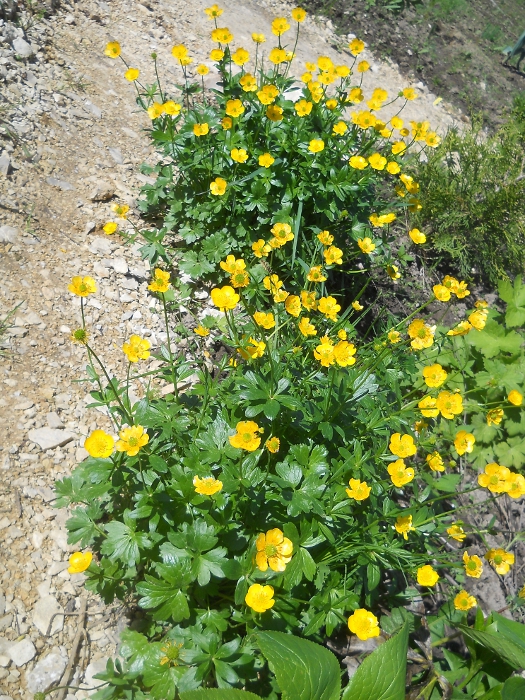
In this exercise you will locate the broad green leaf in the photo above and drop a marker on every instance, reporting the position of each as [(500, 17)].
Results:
[(123, 543), (511, 630), (511, 453), (169, 600), (514, 689), (216, 694), (492, 340), (497, 643), (515, 298), (381, 676), (304, 670)]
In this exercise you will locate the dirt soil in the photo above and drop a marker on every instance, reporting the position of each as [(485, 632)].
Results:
[(454, 46)]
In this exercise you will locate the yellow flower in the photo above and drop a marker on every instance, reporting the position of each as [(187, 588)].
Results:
[(132, 439), (409, 93), (298, 14), (110, 227), (274, 113), (393, 272), (342, 334), (393, 167), (266, 160), (225, 298), (402, 445), (473, 565), (404, 525), (461, 329), (356, 47), (82, 286), (248, 83), (358, 162), (394, 336), (260, 598), (222, 35), (316, 90), (400, 474), (160, 282), (303, 108), (464, 601), (179, 51), (325, 238), (282, 233), (316, 145), (449, 404), (441, 292), (201, 129), (495, 478), (277, 56), (344, 353), (273, 284), (201, 331), (357, 306), (333, 256), (516, 485), (273, 444), (240, 57), (132, 74), (435, 462), (478, 319), (377, 161), (280, 26), (268, 94), (434, 375), (232, 265), (342, 71), (137, 348), (258, 38), (202, 69), (495, 416), (99, 444), (432, 139), (464, 442), (239, 155), (274, 550), (265, 320), (329, 307), (216, 54), (456, 532), (340, 128), (207, 486), (417, 237), (253, 351), (112, 49), (234, 108), (246, 437), (515, 398), (398, 147), (226, 123), (261, 248), (315, 274), (213, 11), (428, 407), (363, 66), (362, 623), (500, 560), (309, 300), (293, 305), (380, 221), (366, 245), (422, 335), (427, 576), (172, 108), (306, 327), (120, 210), (359, 490), (324, 352), (218, 186), (306, 78), (79, 562)]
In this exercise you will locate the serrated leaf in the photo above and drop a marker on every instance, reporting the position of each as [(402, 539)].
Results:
[(123, 543), (167, 600), (219, 694), (492, 340), (381, 676), (512, 452), (304, 670)]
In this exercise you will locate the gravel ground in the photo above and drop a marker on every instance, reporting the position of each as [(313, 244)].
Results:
[(77, 139)]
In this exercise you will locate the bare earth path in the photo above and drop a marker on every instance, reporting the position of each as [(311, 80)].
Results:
[(79, 141)]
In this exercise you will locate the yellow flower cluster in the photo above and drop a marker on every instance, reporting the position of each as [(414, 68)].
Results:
[(499, 479)]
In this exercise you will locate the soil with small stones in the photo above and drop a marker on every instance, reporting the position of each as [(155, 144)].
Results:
[(454, 46)]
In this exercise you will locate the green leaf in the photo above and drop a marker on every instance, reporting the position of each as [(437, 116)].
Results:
[(381, 676), (304, 670), (512, 452), (123, 543), (216, 694), (169, 600), (81, 525), (511, 630), (499, 645), (515, 298), (492, 340), (514, 689)]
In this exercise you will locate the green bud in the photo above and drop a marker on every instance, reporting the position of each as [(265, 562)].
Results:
[(154, 56), (39, 696)]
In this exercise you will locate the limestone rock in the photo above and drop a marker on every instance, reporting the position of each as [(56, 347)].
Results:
[(43, 613), (8, 234), (46, 671), (49, 438), (22, 652), (22, 48)]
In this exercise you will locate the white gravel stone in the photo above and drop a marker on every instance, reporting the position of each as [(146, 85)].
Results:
[(49, 438), (43, 613), (22, 652), (22, 48), (46, 671), (8, 234)]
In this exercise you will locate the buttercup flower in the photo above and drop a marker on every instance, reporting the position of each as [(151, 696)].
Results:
[(160, 282), (260, 598), (232, 264), (329, 307), (110, 227), (80, 336), (449, 404), (500, 560), (179, 52), (112, 49), (132, 74), (248, 83), (172, 108), (464, 442), (495, 478), (515, 398), (268, 94), (274, 550), (358, 162), (316, 145), (478, 319), (298, 14), (333, 256), (218, 186), (394, 336), (324, 352), (409, 93), (201, 129), (441, 292), (398, 146), (309, 301), (325, 238), (516, 485), (377, 161), (427, 576), (132, 439), (402, 445), (82, 286), (254, 350), (222, 35), (344, 353), (435, 462), (136, 348), (277, 56), (234, 108), (393, 168), (404, 525), (261, 248), (434, 375), (464, 601), (400, 474), (201, 331), (357, 306), (363, 66), (462, 328), (120, 210), (216, 54), (99, 444), (495, 416), (307, 328), (303, 108), (274, 113), (428, 407), (356, 46), (359, 490), (207, 486), (239, 155), (79, 562), (456, 532), (340, 128), (266, 160), (393, 272), (473, 565), (225, 298), (280, 26), (417, 237), (366, 245), (258, 38), (265, 320), (293, 305), (282, 233), (422, 334), (246, 437), (315, 274), (272, 445), (213, 11), (364, 624), (155, 110), (240, 57)]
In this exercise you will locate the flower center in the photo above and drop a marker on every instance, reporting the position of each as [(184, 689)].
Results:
[(498, 559), (471, 565), (270, 550), (132, 442), (494, 479)]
